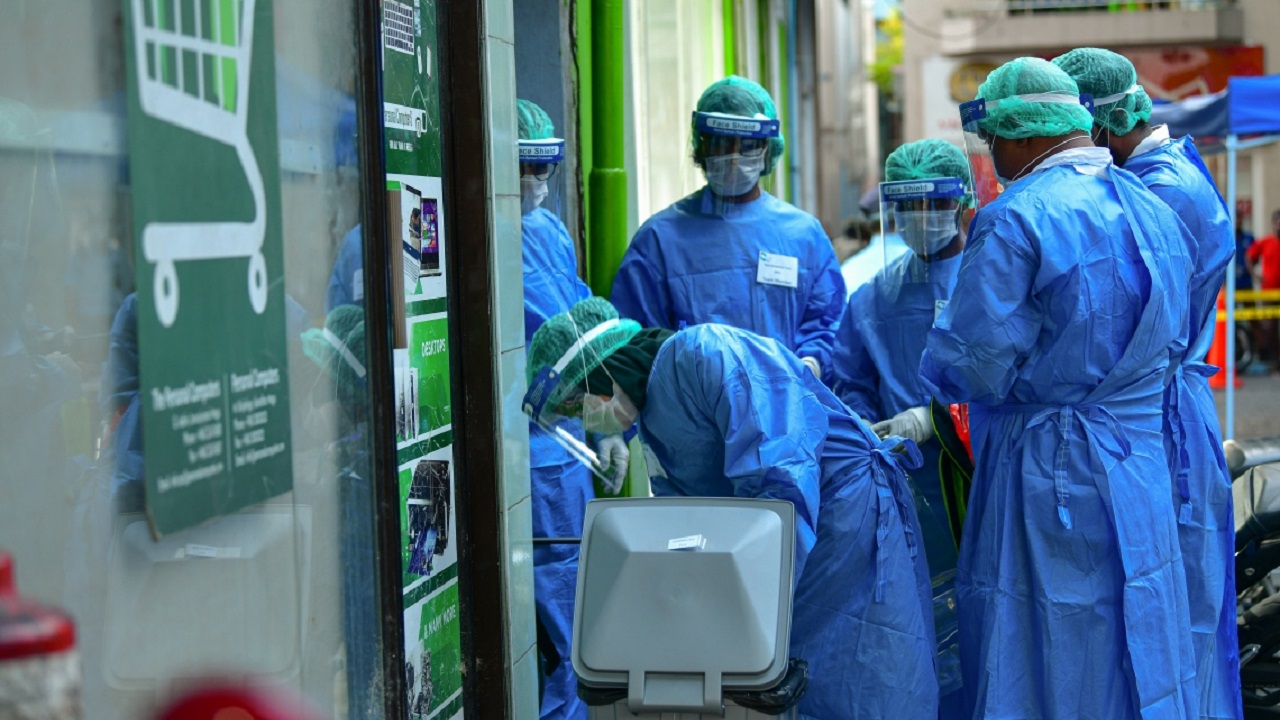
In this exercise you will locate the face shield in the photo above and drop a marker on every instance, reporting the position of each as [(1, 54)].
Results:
[(927, 214), (978, 143), (540, 178), (557, 407), (735, 154)]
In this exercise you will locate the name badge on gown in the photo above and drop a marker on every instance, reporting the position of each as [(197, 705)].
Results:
[(780, 270), (938, 307)]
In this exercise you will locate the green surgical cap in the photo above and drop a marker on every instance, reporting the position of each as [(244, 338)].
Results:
[(345, 326), (1108, 76), (532, 122), (739, 96), (561, 332), (1014, 118), (925, 159)]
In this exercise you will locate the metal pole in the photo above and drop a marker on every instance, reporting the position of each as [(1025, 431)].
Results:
[(793, 105), (1230, 428), (607, 219)]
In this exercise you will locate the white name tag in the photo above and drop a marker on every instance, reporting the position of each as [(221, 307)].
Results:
[(780, 270), (357, 285), (938, 307)]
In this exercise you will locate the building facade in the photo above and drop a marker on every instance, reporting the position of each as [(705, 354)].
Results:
[(1181, 48)]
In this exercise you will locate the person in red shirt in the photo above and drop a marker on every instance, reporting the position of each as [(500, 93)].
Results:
[(1264, 261)]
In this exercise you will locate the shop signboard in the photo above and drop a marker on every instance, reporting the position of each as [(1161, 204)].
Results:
[(205, 178)]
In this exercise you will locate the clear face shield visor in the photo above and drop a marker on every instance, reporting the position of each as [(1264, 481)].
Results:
[(540, 176), (928, 216), (558, 408), (978, 143), (735, 153)]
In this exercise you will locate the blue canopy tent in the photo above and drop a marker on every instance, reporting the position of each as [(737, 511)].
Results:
[(1250, 106)]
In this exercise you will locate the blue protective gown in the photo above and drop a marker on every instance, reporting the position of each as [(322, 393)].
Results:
[(1192, 436), (690, 264), (876, 370), (561, 485), (346, 280), (1070, 296), (731, 414)]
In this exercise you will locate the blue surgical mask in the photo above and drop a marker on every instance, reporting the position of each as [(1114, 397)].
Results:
[(532, 192), (927, 232), (733, 175)]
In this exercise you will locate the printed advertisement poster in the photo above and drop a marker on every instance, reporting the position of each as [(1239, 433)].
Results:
[(432, 647), (410, 87), (418, 235), (210, 262)]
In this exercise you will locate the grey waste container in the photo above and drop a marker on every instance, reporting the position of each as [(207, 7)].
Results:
[(683, 609)]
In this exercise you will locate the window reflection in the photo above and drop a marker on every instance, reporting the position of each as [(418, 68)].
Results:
[(281, 594)]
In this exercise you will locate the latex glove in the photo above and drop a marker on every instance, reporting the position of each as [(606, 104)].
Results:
[(812, 364), (613, 455), (910, 424)]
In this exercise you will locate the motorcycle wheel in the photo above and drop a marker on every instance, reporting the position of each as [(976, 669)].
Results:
[(1245, 354)]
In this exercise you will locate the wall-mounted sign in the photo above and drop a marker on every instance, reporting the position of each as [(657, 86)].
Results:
[(205, 181)]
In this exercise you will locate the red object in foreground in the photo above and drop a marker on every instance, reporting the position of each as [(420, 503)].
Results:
[(234, 703), (960, 417), (39, 668)]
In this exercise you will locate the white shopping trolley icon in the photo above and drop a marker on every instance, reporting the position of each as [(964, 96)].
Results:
[(193, 72)]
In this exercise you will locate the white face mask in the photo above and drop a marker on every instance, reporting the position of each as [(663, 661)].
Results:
[(532, 192), (608, 416), (733, 175), (927, 231)]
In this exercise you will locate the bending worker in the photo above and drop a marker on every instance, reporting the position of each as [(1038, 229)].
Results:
[(561, 485), (1201, 491), (1070, 295), (876, 361), (726, 413), (732, 253)]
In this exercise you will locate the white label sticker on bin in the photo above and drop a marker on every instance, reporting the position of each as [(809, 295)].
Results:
[(689, 542), (209, 551)]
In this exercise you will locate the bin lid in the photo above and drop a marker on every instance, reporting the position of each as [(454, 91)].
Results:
[(681, 598)]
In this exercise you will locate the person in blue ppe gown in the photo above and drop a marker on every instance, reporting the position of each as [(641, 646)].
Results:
[(346, 280), (876, 359), (1174, 171), (561, 485), (1068, 305), (732, 253), (724, 412)]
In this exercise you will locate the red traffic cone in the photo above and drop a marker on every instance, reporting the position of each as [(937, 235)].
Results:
[(1218, 350)]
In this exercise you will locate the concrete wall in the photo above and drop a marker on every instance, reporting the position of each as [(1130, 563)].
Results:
[(508, 289)]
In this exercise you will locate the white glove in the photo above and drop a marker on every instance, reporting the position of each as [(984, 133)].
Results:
[(910, 424), (812, 364), (613, 455)]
